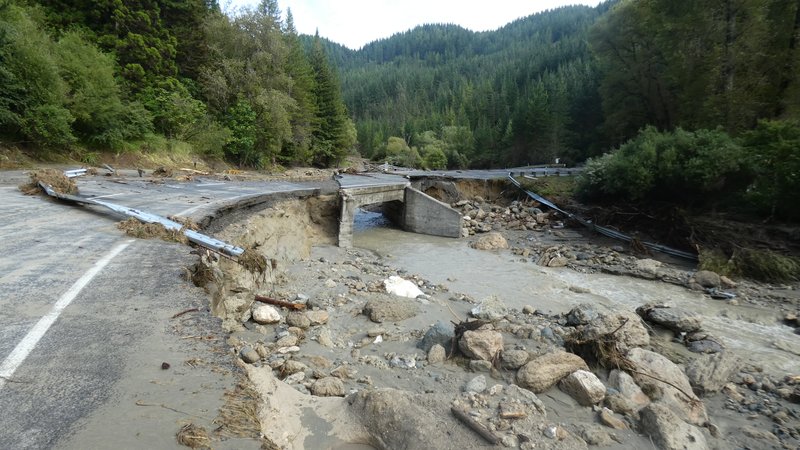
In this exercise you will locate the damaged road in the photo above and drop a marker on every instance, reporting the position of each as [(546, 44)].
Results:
[(89, 351)]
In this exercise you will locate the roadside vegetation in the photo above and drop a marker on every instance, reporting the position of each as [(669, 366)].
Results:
[(83, 79)]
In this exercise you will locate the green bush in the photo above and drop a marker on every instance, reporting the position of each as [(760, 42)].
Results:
[(678, 166), (773, 150)]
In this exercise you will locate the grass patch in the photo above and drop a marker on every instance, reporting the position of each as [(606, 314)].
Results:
[(557, 189), (759, 265)]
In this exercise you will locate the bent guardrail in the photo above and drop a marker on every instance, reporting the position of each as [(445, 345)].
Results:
[(603, 230)]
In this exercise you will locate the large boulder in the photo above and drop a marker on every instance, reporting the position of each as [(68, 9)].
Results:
[(709, 373), (397, 419), (584, 387), (658, 373), (675, 319), (627, 328), (390, 309), (491, 241), (668, 431), (544, 371), (707, 279), (481, 344)]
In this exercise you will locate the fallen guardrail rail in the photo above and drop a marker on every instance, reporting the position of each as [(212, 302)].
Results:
[(603, 230), (193, 236)]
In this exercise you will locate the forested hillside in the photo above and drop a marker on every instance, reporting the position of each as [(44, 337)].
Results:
[(77, 77), (526, 93), (573, 82)]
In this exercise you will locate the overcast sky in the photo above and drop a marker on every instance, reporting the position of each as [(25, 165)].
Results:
[(354, 23)]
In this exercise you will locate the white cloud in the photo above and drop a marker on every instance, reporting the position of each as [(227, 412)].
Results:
[(354, 23)]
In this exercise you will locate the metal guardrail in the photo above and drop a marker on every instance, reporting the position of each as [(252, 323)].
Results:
[(193, 236), (603, 230)]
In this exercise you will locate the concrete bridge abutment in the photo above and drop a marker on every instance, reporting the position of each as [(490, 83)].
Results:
[(420, 212)]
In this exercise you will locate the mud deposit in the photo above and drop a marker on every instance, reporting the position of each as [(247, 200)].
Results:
[(548, 339)]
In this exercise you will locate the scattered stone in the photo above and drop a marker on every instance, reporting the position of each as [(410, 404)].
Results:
[(727, 283), (319, 317), (528, 309), (328, 387), (344, 372), (608, 419), (490, 241), (291, 367), (514, 359), (584, 387), (249, 355), (265, 314), (479, 365), (390, 309), (287, 341), (476, 385), (512, 410), (628, 389), (594, 435), (732, 392), (581, 315), (441, 333), (558, 261), (668, 431), (437, 354), (655, 370), (375, 332), (761, 435), (491, 308), (709, 373), (649, 266), (620, 404), (628, 328), (324, 338), (556, 432), (675, 319), (330, 284), (298, 319), (481, 344), (701, 342), (707, 279), (544, 371)]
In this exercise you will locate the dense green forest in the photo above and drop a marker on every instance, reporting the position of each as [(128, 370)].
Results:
[(572, 82), (84, 76)]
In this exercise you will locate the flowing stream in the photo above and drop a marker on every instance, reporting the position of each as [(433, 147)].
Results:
[(750, 332)]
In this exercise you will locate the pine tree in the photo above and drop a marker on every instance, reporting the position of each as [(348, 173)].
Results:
[(333, 137)]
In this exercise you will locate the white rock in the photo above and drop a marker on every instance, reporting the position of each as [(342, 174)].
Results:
[(584, 387), (265, 314), (476, 385), (402, 288)]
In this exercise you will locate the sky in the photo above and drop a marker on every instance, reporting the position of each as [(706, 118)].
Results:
[(354, 23)]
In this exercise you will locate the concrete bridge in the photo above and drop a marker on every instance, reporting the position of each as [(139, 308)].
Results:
[(412, 210)]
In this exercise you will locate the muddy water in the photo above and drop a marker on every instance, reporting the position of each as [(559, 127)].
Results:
[(747, 331)]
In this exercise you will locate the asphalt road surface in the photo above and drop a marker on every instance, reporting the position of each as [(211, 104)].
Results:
[(85, 318)]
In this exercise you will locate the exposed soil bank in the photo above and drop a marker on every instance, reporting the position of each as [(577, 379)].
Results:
[(362, 368)]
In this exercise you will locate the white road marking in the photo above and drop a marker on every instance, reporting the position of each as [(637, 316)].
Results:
[(209, 184), (27, 344)]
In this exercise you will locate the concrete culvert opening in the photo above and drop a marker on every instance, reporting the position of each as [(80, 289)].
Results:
[(380, 215)]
